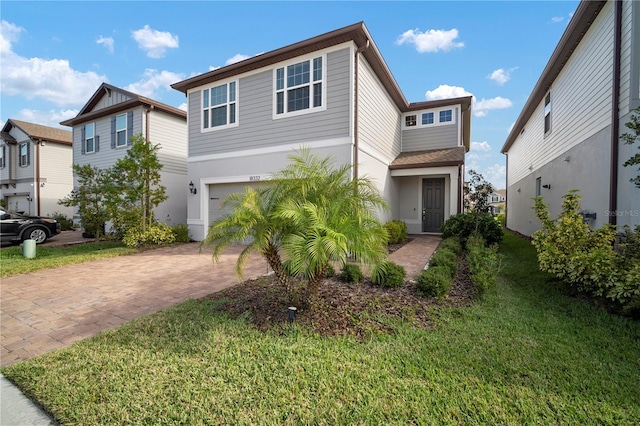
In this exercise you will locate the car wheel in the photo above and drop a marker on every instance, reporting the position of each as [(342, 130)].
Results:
[(37, 234)]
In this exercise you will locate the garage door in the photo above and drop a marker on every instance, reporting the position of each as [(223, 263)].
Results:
[(218, 193)]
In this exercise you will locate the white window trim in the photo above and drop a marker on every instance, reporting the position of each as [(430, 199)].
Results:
[(436, 118), (86, 151), (323, 81), (117, 131), (236, 102), (26, 162)]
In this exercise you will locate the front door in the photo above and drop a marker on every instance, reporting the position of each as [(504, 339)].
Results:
[(432, 204)]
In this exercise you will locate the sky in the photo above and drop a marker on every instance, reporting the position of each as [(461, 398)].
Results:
[(55, 54)]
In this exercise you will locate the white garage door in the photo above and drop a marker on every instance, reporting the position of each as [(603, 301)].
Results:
[(218, 193)]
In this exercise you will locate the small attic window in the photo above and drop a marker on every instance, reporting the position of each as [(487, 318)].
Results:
[(410, 120)]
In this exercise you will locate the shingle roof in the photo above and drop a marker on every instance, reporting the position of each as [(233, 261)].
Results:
[(40, 132), (431, 158)]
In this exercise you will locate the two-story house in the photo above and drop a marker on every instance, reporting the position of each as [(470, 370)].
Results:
[(35, 168), (568, 133), (102, 133), (334, 94)]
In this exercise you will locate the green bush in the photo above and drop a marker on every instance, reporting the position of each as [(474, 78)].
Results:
[(330, 272), (181, 233), (434, 282), (397, 231), (389, 274), (484, 264), (157, 234), (502, 219), (464, 224), (351, 273), (66, 224), (452, 243), (445, 258)]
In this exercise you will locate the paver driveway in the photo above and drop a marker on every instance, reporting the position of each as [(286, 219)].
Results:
[(50, 309)]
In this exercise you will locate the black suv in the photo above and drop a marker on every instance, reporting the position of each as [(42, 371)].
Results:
[(15, 227)]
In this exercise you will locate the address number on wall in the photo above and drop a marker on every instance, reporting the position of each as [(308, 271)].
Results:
[(254, 178)]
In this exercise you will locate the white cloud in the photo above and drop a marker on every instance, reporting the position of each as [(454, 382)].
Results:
[(213, 68), (154, 42), (236, 58), (557, 19), (107, 42), (50, 118), (501, 76), (52, 80), (183, 106), (497, 175), (480, 146), (511, 127), (480, 108), (153, 81), (431, 40)]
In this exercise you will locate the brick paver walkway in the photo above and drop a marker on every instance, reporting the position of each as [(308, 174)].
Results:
[(50, 309)]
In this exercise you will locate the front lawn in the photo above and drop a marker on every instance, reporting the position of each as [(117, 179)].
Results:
[(526, 354), (14, 263)]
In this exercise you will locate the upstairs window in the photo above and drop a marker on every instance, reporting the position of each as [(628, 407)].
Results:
[(547, 113), (23, 158), (299, 87), (446, 116), (121, 130), (410, 121), (427, 118), (3, 152), (89, 138), (219, 106)]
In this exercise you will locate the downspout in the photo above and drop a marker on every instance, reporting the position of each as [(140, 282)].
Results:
[(615, 114), (356, 146), (37, 183)]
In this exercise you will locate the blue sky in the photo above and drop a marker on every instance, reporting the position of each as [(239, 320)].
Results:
[(55, 54)]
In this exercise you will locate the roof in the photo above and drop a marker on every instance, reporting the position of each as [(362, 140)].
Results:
[(431, 158), (37, 132), (582, 19), (136, 100)]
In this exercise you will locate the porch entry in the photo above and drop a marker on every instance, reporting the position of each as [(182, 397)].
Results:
[(432, 204)]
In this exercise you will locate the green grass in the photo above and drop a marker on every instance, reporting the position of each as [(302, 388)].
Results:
[(525, 355), (12, 262)]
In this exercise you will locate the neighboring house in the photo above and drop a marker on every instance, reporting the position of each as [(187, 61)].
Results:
[(568, 133), (102, 133), (496, 200), (35, 168), (334, 94)]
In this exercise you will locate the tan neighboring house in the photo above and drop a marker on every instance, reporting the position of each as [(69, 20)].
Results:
[(35, 168), (497, 200)]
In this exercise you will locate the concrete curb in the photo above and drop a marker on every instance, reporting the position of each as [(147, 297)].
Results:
[(18, 410)]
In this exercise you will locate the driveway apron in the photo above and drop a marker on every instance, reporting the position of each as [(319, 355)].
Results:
[(50, 309)]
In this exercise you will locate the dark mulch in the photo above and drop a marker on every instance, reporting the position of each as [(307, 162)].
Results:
[(342, 309)]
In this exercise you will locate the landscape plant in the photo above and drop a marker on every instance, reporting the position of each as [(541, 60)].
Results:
[(445, 258), (89, 197), (631, 138), (484, 263), (434, 282), (463, 225), (397, 230), (351, 273), (388, 274)]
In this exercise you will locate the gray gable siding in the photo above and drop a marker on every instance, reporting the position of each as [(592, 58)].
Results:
[(113, 99), (437, 137), (258, 129)]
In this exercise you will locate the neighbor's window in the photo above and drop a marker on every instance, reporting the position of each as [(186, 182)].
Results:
[(219, 106), (427, 118), (24, 154), (547, 113), (2, 157), (410, 121), (299, 86), (121, 130), (89, 138), (446, 116)]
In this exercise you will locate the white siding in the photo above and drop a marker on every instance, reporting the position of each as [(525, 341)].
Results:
[(57, 176), (580, 102), (5, 173), (171, 133), (628, 55), (111, 99)]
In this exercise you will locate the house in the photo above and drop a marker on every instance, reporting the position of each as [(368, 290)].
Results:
[(102, 133), (334, 94), (35, 168), (568, 133), (496, 200)]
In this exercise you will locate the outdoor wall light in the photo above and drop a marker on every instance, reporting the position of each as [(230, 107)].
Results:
[(547, 186), (192, 188)]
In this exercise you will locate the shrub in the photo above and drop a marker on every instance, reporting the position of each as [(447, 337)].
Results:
[(445, 258), (66, 224), (464, 224), (181, 233), (397, 231), (452, 243), (389, 274), (331, 271), (434, 282), (502, 219), (157, 234), (484, 264), (351, 273)]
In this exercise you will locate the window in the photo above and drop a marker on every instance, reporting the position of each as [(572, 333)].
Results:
[(427, 118), (121, 130), (89, 138), (547, 113), (538, 186), (446, 116), (2, 156), (24, 154), (410, 121), (299, 87), (219, 106)]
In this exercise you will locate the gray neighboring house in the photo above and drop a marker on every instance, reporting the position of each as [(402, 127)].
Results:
[(35, 168), (568, 133), (102, 133), (335, 94)]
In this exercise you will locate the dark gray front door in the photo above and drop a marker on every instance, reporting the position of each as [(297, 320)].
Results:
[(432, 204)]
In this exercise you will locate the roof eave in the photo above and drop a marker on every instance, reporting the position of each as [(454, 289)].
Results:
[(132, 103), (425, 165)]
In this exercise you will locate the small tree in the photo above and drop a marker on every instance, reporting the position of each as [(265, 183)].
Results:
[(477, 193), (630, 139), (89, 198)]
